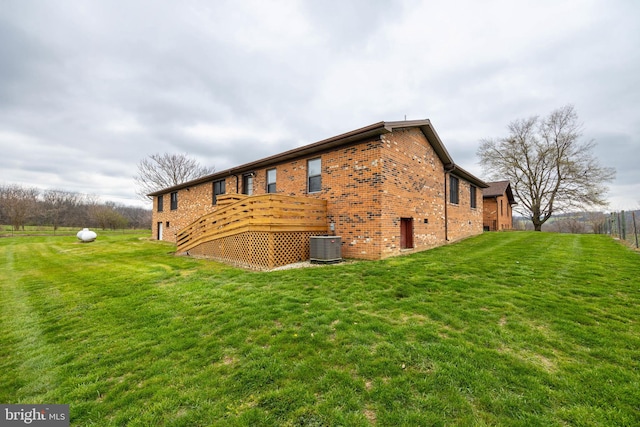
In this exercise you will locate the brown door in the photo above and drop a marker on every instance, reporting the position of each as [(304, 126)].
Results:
[(406, 233)]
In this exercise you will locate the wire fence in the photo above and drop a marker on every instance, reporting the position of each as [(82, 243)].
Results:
[(624, 226)]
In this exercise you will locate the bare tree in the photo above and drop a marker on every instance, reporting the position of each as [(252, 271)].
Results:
[(598, 222), (549, 168), (160, 171), (18, 204), (58, 206), (573, 225), (134, 216), (105, 216), (21, 205)]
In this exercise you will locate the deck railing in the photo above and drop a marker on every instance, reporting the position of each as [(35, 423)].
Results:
[(262, 213)]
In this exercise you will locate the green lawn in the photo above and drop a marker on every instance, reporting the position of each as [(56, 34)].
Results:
[(47, 230), (503, 329)]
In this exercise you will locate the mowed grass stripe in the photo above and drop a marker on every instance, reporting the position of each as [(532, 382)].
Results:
[(505, 328)]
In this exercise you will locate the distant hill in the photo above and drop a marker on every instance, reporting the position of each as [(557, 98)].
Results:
[(584, 222)]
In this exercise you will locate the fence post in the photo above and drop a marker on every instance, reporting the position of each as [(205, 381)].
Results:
[(619, 226), (611, 221), (635, 227)]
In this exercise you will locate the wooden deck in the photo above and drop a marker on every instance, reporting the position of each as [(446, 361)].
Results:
[(260, 232)]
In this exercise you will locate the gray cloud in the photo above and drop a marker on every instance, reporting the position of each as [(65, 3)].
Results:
[(88, 89)]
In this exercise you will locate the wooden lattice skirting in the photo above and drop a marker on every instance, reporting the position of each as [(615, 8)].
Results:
[(258, 250)]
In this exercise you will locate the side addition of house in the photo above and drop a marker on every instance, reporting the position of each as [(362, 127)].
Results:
[(385, 189), (497, 201)]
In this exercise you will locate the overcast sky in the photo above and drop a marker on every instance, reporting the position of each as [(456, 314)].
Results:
[(89, 88)]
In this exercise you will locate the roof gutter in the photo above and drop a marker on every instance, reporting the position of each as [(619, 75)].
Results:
[(342, 139), (371, 131), (467, 176)]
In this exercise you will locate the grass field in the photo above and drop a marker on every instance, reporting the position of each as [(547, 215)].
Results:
[(517, 329), (47, 230)]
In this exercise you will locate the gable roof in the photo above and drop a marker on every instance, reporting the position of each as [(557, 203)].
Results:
[(373, 130), (499, 188)]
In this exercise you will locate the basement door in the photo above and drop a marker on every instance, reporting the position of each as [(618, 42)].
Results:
[(406, 233), (160, 230)]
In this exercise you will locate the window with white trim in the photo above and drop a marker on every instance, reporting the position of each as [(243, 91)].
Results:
[(174, 200), (472, 196), (271, 181), (314, 175), (219, 188), (247, 184), (453, 190)]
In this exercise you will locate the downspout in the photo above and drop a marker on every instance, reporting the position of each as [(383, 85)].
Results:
[(237, 183), (447, 169), (446, 218)]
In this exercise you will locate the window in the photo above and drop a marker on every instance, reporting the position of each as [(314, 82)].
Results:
[(218, 189), (174, 200), (271, 181), (247, 184), (472, 192), (453, 190), (160, 203), (501, 209), (314, 175)]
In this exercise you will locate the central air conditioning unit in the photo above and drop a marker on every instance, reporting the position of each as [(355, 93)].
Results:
[(326, 249)]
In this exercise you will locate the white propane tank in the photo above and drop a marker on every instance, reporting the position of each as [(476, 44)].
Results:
[(85, 235)]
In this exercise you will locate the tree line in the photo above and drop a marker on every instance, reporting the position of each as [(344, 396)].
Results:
[(22, 205)]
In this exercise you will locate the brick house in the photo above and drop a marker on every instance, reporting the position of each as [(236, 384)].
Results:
[(497, 201), (385, 189)]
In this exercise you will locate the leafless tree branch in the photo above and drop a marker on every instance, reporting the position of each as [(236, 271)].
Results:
[(160, 171), (549, 168)]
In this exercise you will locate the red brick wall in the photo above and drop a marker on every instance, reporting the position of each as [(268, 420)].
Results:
[(369, 186), (505, 216), (351, 179), (191, 200), (494, 213), (490, 213), (414, 188), (352, 185), (465, 221)]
